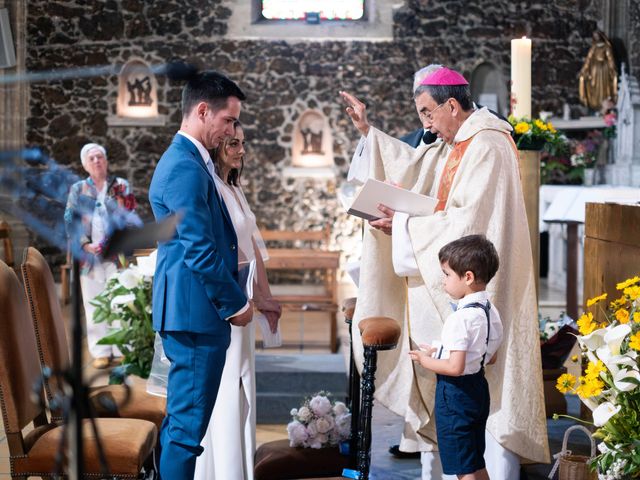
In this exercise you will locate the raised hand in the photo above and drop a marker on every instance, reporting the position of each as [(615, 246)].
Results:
[(357, 111)]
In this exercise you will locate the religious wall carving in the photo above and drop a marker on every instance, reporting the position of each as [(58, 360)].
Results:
[(137, 91), (313, 142)]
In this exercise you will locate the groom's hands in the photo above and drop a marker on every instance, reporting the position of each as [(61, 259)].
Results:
[(244, 318)]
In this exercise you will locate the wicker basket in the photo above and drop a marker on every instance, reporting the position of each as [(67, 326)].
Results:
[(574, 467)]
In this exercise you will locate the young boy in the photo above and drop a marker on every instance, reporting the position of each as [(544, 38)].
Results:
[(470, 337)]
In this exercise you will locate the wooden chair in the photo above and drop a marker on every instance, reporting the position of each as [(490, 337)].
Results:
[(53, 349), (126, 443), (296, 257), (65, 279), (5, 236)]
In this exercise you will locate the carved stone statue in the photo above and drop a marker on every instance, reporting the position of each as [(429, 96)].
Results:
[(312, 141), (598, 76), (140, 92)]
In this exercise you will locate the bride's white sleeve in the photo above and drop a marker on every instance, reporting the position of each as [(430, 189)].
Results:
[(360, 162)]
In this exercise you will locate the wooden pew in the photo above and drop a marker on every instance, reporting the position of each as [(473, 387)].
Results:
[(318, 258)]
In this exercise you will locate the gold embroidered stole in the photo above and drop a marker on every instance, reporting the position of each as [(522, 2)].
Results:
[(450, 169)]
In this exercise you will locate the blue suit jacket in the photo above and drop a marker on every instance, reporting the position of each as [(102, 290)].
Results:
[(196, 281)]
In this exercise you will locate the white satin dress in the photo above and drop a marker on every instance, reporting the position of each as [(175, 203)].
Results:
[(229, 443)]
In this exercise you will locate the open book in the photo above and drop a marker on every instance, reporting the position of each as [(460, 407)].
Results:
[(374, 192)]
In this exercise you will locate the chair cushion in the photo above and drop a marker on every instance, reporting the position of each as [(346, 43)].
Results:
[(278, 461), (126, 442), (379, 331), (141, 404)]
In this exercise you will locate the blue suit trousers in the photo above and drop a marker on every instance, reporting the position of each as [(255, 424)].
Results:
[(197, 361)]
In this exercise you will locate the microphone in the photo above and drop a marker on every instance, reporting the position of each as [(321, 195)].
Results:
[(178, 70)]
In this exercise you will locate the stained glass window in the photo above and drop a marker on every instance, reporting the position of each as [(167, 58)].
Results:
[(328, 9)]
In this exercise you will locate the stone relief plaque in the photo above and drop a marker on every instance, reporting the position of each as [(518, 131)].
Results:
[(137, 91), (312, 141)]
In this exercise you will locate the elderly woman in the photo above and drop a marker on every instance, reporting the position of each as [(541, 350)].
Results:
[(91, 201)]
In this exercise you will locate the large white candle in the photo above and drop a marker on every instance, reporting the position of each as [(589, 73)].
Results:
[(521, 77)]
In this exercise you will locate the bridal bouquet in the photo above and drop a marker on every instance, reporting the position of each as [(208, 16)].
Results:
[(609, 385), (319, 422), (125, 304)]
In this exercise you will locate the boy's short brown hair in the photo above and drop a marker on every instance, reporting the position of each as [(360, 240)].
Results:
[(473, 253)]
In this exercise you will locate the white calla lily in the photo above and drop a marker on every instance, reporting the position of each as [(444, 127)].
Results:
[(147, 265), (614, 337), (127, 299), (615, 362), (604, 412), (129, 278), (619, 380), (594, 340)]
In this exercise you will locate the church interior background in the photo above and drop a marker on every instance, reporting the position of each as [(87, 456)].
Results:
[(300, 141)]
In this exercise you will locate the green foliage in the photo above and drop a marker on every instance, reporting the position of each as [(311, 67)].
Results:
[(125, 304)]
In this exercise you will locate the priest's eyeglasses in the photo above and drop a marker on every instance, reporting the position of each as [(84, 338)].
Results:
[(429, 115)]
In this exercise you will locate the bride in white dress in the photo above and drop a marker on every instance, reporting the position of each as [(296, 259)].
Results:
[(229, 444)]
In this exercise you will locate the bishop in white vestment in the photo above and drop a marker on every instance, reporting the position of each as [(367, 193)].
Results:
[(474, 175)]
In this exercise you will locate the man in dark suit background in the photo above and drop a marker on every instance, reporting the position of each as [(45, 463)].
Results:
[(196, 294)]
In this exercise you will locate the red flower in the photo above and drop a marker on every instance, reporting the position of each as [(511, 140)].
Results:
[(129, 202)]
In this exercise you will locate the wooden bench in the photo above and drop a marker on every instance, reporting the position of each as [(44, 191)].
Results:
[(310, 259)]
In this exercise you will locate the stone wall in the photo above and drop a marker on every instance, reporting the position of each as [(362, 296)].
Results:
[(282, 79)]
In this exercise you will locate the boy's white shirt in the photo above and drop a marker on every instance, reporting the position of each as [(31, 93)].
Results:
[(466, 330)]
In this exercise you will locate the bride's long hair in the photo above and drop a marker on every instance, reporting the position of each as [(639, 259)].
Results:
[(218, 155)]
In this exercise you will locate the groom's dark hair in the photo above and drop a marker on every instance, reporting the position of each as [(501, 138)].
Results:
[(211, 87)]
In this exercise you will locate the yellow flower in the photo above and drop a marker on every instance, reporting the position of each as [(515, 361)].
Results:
[(574, 358), (594, 300), (551, 127), (636, 317), (540, 124), (634, 341), (593, 370), (589, 387), (586, 325), (619, 302), (632, 292), (566, 381), (622, 315), (522, 127), (627, 283)]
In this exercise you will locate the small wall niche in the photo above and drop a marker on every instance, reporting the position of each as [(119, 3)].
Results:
[(137, 102)]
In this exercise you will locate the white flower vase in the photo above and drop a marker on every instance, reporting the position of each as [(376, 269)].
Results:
[(588, 177)]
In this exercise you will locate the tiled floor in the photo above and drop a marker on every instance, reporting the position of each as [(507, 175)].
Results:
[(312, 328)]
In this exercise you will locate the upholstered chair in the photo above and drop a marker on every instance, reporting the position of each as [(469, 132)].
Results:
[(53, 349), (126, 443)]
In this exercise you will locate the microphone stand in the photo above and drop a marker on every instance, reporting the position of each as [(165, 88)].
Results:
[(79, 391)]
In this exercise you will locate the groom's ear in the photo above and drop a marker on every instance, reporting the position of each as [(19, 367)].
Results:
[(200, 110)]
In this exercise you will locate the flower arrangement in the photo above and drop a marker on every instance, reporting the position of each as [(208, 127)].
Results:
[(609, 385), (319, 422), (534, 134), (586, 151), (125, 304)]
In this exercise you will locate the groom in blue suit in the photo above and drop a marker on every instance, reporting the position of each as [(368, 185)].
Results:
[(196, 294)]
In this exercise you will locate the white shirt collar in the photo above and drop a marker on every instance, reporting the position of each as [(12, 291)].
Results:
[(480, 297), (203, 151)]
